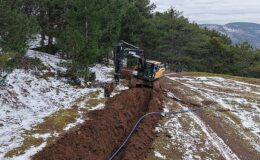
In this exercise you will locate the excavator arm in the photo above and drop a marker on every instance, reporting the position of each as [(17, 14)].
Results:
[(123, 51)]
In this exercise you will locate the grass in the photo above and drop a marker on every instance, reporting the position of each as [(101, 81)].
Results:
[(47, 75), (53, 124), (94, 102), (171, 153), (94, 94), (28, 142), (256, 119), (233, 117), (58, 120)]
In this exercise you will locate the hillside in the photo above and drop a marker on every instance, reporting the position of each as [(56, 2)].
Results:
[(59, 59), (37, 106), (239, 32), (39, 109)]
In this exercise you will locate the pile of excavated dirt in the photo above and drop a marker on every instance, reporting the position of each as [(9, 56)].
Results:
[(141, 142), (126, 73), (98, 137)]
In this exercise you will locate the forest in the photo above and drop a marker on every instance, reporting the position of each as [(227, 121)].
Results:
[(86, 31)]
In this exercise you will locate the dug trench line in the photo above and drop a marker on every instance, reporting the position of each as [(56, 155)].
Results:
[(97, 138)]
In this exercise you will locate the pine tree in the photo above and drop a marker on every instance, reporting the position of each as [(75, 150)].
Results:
[(134, 21), (15, 27)]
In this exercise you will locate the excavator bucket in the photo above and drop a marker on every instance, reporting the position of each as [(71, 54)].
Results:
[(108, 89), (126, 73), (156, 85)]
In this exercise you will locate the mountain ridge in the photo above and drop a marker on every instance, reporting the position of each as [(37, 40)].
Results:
[(239, 32)]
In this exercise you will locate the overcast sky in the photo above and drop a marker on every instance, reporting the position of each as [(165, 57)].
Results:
[(214, 11)]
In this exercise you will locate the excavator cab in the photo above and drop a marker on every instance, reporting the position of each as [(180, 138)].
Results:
[(151, 71)]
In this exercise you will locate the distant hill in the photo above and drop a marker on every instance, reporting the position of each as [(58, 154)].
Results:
[(239, 32)]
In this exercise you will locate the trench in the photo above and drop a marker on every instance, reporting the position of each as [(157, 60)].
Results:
[(106, 129)]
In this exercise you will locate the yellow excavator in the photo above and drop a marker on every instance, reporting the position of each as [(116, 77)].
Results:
[(145, 73)]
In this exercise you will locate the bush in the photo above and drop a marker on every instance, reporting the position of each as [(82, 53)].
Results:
[(74, 74)]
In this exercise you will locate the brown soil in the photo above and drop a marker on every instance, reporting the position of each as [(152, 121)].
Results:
[(97, 138), (126, 73), (140, 143)]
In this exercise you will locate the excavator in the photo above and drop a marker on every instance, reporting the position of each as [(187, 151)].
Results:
[(145, 73)]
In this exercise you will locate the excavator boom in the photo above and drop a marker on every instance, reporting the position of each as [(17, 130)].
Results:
[(123, 51)]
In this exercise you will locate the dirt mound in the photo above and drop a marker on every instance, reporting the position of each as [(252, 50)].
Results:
[(140, 143), (97, 138), (126, 73)]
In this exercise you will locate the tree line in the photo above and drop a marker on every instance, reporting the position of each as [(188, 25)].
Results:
[(86, 31)]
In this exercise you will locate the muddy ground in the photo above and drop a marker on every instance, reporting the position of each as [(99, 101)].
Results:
[(106, 129)]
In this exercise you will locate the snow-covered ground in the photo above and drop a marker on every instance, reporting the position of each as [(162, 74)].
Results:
[(190, 136), (243, 98), (51, 61), (36, 41), (101, 73), (27, 99)]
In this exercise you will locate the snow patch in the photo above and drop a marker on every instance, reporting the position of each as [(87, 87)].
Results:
[(159, 155), (48, 60), (78, 121), (232, 30), (102, 73), (30, 152), (98, 107), (36, 40), (43, 136)]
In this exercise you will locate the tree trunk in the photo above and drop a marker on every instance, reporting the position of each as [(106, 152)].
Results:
[(86, 28), (107, 59), (50, 44), (42, 32), (42, 39), (50, 28)]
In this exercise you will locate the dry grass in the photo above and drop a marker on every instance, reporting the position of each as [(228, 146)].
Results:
[(28, 142), (47, 75), (94, 94), (53, 124), (94, 102), (57, 121)]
